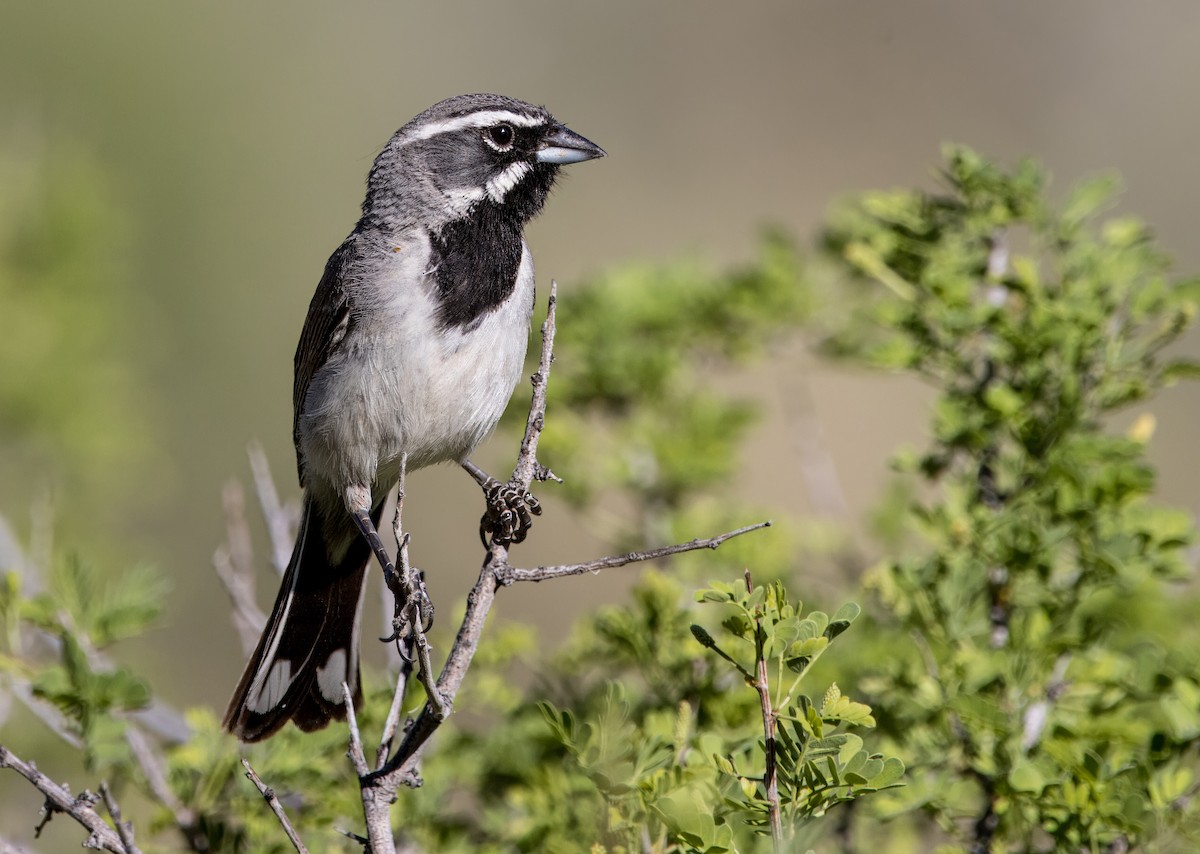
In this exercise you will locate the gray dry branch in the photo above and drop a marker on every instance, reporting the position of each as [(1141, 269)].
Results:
[(276, 807), (81, 807)]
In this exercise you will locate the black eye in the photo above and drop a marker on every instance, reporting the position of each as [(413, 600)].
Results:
[(501, 136)]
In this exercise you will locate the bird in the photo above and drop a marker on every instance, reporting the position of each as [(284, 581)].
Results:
[(413, 344)]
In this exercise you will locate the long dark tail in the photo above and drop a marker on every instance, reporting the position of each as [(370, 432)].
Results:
[(309, 645)]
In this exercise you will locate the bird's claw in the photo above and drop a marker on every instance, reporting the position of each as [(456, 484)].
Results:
[(420, 606), (510, 512)]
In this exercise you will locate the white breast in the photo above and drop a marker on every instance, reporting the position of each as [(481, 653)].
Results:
[(402, 385)]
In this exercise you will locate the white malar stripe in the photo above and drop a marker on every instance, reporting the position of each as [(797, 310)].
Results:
[(482, 119), (498, 186), (332, 675), (459, 201), (266, 696)]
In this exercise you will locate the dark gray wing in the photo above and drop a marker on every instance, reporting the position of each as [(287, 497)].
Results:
[(324, 329)]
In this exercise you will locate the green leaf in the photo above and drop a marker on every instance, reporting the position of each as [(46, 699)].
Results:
[(702, 636), (890, 775), (1181, 708), (1026, 777), (847, 711), (851, 746)]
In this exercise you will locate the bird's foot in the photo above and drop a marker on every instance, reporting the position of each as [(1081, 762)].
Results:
[(510, 512), (417, 610)]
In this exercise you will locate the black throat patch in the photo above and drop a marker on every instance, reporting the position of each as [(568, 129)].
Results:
[(475, 261)]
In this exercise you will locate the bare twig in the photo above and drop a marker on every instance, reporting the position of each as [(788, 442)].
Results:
[(273, 802), (234, 564), (406, 641), (818, 470), (237, 530), (154, 770), (392, 723), (770, 771), (82, 807), (378, 794), (124, 828), (509, 574), (281, 518), (528, 468), (358, 758), (405, 648), (410, 615)]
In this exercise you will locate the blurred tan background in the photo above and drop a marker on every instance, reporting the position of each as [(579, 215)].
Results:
[(233, 139)]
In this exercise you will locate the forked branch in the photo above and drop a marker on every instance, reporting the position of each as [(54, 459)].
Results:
[(381, 786), (81, 807)]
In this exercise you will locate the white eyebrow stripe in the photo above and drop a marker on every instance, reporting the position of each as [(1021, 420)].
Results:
[(472, 120)]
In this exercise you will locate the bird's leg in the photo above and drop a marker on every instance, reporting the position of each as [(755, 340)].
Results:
[(510, 508), (362, 518), (357, 497)]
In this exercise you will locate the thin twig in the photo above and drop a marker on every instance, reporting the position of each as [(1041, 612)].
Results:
[(280, 518), (527, 468), (410, 615), (411, 600), (509, 574), (357, 757), (273, 802), (124, 828), (818, 470), (405, 643), (154, 770), (234, 564), (59, 799), (770, 771), (393, 719), (237, 529), (407, 657)]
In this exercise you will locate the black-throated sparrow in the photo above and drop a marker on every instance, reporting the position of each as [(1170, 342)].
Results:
[(413, 344)]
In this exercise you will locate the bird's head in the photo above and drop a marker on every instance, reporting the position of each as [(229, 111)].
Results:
[(471, 150)]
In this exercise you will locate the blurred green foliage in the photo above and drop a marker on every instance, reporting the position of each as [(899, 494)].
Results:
[(70, 412), (1027, 649), (632, 403), (80, 618), (1040, 699)]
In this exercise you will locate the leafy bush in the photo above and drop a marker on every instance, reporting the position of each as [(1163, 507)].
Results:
[(1027, 648)]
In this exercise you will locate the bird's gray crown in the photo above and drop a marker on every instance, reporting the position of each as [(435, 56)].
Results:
[(473, 111), (468, 151)]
